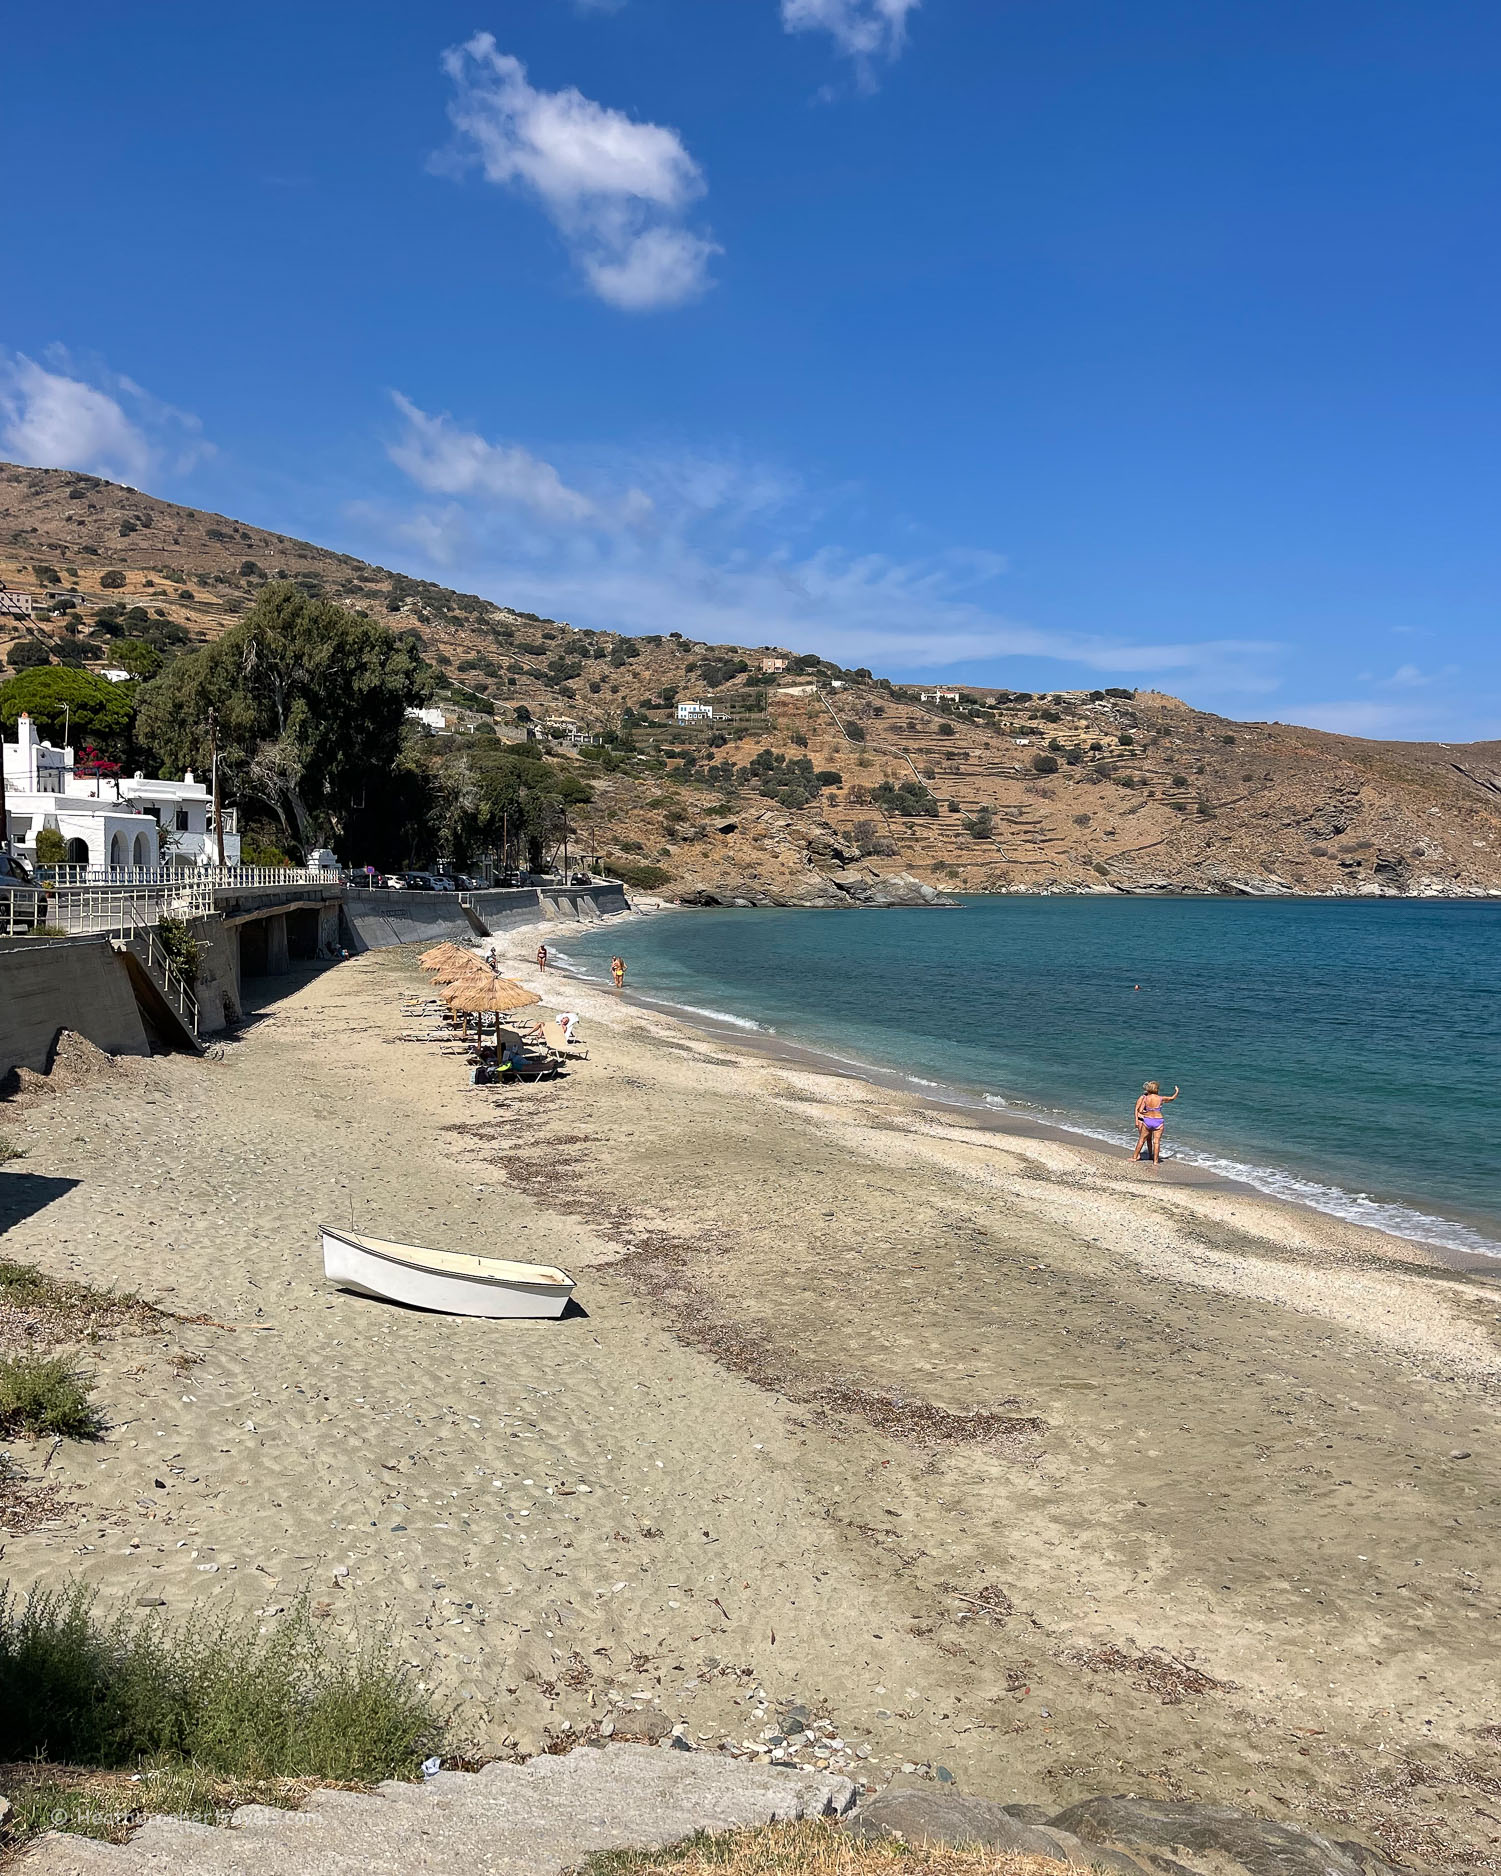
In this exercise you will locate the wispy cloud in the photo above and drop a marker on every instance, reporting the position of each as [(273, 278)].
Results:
[(730, 550), (618, 192), (63, 415), (870, 33)]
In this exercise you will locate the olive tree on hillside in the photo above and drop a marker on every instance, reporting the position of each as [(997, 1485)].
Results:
[(309, 702)]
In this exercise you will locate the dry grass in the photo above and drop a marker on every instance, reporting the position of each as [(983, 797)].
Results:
[(110, 1805), (811, 1849)]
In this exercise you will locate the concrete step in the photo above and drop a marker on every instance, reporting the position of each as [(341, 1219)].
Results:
[(536, 1819)]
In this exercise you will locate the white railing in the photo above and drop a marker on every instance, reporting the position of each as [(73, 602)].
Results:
[(164, 972), (23, 911), (117, 911), (124, 917), (70, 876)]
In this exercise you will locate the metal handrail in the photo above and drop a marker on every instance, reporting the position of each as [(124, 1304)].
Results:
[(118, 916), (112, 910), (70, 876)]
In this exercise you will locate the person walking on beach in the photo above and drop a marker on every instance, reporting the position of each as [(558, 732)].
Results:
[(541, 957), (617, 971), (1149, 1105)]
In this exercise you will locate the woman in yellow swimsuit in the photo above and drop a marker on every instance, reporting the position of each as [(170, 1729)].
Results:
[(1149, 1106)]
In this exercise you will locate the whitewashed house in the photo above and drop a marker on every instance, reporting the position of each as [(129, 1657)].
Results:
[(695, 713), (108, 820)]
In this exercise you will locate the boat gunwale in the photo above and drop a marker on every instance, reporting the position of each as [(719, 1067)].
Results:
[(540, 1285)]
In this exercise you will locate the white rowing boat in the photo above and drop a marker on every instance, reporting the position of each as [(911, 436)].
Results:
[(453, 1283)]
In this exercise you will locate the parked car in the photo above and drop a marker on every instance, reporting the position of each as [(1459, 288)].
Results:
[(396, 881), (579, 879), (419, 882), (14, 871), (508, 879), (444, 882)]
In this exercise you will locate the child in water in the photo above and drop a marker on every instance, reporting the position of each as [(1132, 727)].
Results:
[(1149, 1105)]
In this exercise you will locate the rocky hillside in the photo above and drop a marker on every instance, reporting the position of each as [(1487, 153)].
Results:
[(810, 784)]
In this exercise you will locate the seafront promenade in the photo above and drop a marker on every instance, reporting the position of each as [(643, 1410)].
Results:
[(87, 955)]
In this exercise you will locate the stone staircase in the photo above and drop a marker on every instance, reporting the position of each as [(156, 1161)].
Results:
[(534, 1819)]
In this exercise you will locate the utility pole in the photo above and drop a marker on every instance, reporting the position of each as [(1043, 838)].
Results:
[(213, 743), (565, 843)]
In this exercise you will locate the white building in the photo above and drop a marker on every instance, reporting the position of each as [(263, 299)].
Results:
[(15, 605), (695, 713), (432, 718), (108, 820), (939, 696), (770, 665)]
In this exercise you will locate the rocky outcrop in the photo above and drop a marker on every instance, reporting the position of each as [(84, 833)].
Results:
[(849, 887), (1141, 1835)]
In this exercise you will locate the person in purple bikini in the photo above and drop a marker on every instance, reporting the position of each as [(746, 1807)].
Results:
[(1149, 1106)]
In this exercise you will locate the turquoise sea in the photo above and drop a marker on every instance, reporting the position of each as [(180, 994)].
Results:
[(1343, 1053)]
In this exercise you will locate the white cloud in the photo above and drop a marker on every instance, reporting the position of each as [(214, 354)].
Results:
[(865, 31), (57, 419), (617, 191), (731, 551), (445, 460)]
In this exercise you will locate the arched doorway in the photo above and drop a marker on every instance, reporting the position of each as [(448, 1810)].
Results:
[(139, 858), (78, 852), (117, 853)]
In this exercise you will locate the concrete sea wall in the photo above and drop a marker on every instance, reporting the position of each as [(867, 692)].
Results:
[(48, 984)]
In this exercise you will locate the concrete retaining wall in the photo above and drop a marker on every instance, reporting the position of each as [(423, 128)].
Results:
[(374, 920), (65, 983), (583, 902)]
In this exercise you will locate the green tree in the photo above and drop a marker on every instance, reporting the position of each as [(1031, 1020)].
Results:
[(51, 848), (112, 578), (27, 654), (93, 709), (137, 657), (309, 701)]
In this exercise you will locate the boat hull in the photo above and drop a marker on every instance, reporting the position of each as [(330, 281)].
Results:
[(353, 1264)]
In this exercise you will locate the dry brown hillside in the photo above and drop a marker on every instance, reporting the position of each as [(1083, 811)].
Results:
[(999, 791)]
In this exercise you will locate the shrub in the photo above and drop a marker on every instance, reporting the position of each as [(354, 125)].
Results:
[(854, 732), (46, 576), (181, 947), (945, 729), (640, 874), (1044, 764), (980, 826), (112, 578), (51, 848), (213, 1692), (46, 1394), (27, 654), (829, 778)]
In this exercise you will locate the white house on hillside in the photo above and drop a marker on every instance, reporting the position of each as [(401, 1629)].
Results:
[(108, 821), (695, 713)]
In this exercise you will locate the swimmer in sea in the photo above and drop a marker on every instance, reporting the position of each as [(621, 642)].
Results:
[(617, 971), (1149, 1120)]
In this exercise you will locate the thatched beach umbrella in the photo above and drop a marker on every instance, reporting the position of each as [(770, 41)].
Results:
[(498, 997), (439, 954)]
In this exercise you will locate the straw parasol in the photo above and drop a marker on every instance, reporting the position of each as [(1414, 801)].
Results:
[(498, 997), (440, 954)]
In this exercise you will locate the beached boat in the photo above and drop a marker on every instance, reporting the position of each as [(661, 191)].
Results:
[(453, 1283)]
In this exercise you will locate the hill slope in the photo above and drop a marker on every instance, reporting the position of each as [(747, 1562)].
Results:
[(851, 779)]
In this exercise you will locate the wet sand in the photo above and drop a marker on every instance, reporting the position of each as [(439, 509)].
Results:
[(998, 1451)]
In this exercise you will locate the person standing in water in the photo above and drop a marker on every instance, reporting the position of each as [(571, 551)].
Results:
[(1149, 1106), (617, 971)]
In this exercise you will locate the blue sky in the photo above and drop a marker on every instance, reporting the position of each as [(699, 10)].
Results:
[(1036, 342)]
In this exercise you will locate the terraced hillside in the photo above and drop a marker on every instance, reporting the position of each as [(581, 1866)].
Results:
[(809, 784)]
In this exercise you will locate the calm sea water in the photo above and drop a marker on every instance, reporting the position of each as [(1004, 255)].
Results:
[(1343, 1053)]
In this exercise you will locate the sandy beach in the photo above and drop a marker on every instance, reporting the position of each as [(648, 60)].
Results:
[(1002, 1455)]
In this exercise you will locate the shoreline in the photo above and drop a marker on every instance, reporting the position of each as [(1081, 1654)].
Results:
[(988, 1453), (1182, 1167)]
